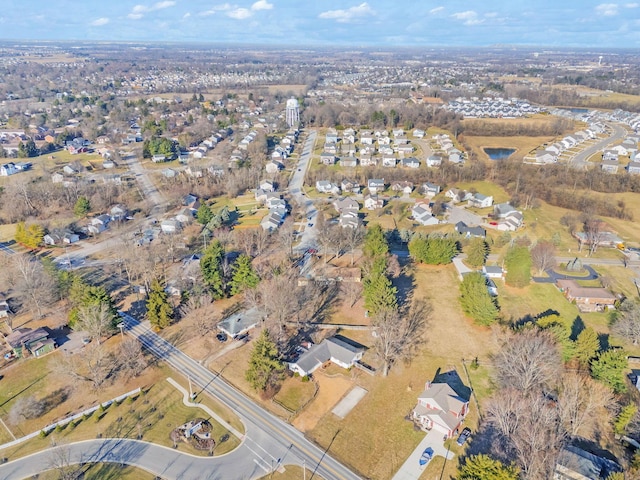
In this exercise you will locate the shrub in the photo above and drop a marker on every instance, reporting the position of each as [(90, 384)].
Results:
[(305, 378), (43, 433)]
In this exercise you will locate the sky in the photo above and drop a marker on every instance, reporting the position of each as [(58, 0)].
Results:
[(557, 23)]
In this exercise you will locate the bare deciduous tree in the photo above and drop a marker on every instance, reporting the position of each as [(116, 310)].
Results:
[(528, 361), (93, 365), (593, 232), (543, 256), (627, 323), (279, 298), (131, 358), (582, 404), (400, 333), (60, 461), (33, 285)]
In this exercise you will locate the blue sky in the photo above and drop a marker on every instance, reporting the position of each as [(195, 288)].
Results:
[(571, 23)]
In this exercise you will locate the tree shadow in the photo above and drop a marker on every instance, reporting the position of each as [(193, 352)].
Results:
[(576, 328), (603, 338)]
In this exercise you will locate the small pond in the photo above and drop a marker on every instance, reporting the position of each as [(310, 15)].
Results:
[(499, 153), (576, 110)]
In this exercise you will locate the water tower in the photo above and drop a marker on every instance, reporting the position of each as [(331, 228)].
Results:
[(293, 112)]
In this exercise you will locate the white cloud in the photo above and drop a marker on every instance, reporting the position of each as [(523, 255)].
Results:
[(261, 5), (607, 9), (98, 22), (491, 14), (186, 15), (350, 14), (433, 11), (468, 17), (138, 11), (632, 5), (239, 13)]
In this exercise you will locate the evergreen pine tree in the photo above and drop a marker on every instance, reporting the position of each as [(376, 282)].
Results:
[(265, 366), (159, 310), (244, 276)]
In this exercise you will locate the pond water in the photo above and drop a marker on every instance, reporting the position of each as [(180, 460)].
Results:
[(577, 110), (499, 153)]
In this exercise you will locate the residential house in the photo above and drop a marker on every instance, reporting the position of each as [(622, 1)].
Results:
[(99, 224), (478, 200), (545, 157), (457, 195), (331, 148), (440, 408), (410, 162), (587, 299), (375, 185), (418, 133), (367, 160), (610, 166), (347, 203), (240, 323), (373, 202), (403, 186), (332, 136), (337, 350), (325, 186), (421, 213), (493, 271), (349, 186), (430, 189), (509, 219), (470, 232), (389, 161), (58, 237), (5, 310), (328, 158), (348, 162), (7, 169), (57, 177), (271, 221), (267, 186), (633, 167), (118, 212), (434, 161), (158, 158), (397, 132), (70, 170), (170, 226), (273, 166), (367, 138), (35, 342), (577, 464), (184, 216)]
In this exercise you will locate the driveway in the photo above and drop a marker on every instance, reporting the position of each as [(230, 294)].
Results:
[(459, 214), (553, 276), (411, 469)]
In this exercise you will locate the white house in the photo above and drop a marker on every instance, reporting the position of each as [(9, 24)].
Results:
[(373, 202), (375, 185), (481, 201), (334, 350), (421, 213), (434, 161)]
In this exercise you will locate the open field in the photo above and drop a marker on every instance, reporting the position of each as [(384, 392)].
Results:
[(292, 472), (390, 438), (151, 416)]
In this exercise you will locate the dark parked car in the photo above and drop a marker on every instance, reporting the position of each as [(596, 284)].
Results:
[(464, 436), (222, 337)]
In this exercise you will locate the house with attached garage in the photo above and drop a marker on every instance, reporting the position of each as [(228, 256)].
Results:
[(375, 185), (348, 162), (421, 213), (325, 186), (633, 167), (336, 350), (373, 202), (440, 408), (430, 189), (434, 161), (610, 166), (478, 200), (470, 232), (328, 158), (410, 162)]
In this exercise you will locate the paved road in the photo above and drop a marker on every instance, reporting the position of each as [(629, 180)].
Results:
[(268, 440), (553, 276), (618, 132), (5, 248), (149, 190), (308, 237)]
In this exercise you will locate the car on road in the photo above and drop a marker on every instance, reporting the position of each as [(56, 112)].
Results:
[(242, 338), (299, 169), (464, 436), (426, 456), (309, 224), (221, 337)]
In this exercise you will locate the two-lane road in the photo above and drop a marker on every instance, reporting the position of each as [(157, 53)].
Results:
[(268, 441), (309, 234)]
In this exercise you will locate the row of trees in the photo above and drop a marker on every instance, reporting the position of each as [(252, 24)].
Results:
[(433, 249)]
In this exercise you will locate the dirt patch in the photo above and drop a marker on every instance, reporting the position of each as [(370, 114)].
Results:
[(330, 391)]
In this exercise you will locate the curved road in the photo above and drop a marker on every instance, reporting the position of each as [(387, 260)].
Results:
[(267, 444), (580, 160)]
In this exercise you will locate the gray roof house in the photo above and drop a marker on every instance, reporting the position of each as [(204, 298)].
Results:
[(240, 323), (440, 408), (463, 229), (577, 464), (334, 349)]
